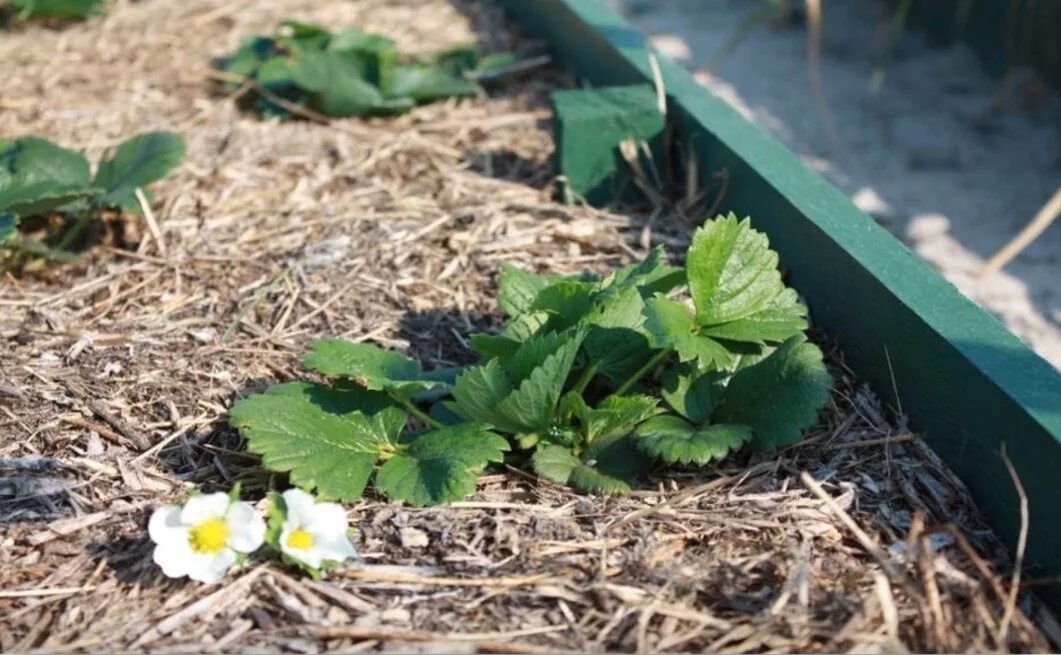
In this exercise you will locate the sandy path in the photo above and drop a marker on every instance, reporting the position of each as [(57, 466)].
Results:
[(941, 157)]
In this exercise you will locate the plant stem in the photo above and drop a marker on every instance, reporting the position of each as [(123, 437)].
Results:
[(584, 379), (75, 231), (416, 411), (642, 372)]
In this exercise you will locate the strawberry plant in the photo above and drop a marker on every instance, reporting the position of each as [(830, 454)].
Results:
[(60, 10), (40, 180), (350, 73), (592, 381)]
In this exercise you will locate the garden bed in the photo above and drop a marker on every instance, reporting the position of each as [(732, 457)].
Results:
[(121, 369)]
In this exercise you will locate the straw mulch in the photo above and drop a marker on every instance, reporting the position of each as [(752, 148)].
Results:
[(118, 372)]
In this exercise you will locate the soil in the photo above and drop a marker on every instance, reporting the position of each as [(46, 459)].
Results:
[(951, 160), (119, 370)]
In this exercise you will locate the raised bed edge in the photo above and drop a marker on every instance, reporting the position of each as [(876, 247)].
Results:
[(967, 383)]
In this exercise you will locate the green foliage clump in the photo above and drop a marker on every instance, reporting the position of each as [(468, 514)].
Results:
[(59, 10), (350, 73), (592, 381), (39, 179)]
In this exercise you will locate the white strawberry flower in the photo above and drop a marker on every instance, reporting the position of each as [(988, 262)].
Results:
[(206, 537), (314, 533)]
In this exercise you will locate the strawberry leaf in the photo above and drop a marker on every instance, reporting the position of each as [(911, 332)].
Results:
[(732, 271), (441, 465), (778, 396), (593, 480), (783, 317), (138, 162), (56, 9), (37, 176), (324, 438), (560, 465), (425, 84), (671, 325), (676, 441), (368, 365), (517, 289), (478, 392), (616, 342), (532, 406), (689, 391), (8, 226), (650, 276), (554, 463), (614, 416)]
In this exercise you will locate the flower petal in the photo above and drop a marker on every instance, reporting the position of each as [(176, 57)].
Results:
[(328, 519), (211, 568), (173, 556), (336, 548), (204, 507), (311, 556), (246, 529), (299, 507), (164, 521)]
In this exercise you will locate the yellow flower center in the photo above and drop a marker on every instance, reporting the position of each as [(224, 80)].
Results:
[(209, 536), (300, 540)]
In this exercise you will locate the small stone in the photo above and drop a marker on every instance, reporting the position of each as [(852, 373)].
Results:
[(413, 538), (927, 226)]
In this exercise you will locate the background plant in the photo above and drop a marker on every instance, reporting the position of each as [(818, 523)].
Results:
[(51, 9), (591, 382), (350, 73), (41, 180)]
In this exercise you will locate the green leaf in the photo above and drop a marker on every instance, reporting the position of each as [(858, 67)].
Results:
[(517, 289), (478, 392), (671, 325), (320, 436), (779, 396), (558, 464), (784, 316), (554, 463), (38, 176), (136, 163), (342, 82), (8, 226), (532, 406), (315, 70), (690, 391), (732, 271), (489, 346), (565, 301), (616, 343), (455, 60), (299, 35), (441, 465), (524, 399), (615, 415), (496, 62), (650, 276), (355, 39), (250, 56), (425, 84), (616, 456), (676, 441), (593, 480), (369, 365), (56, 9), (276, 75), (532, 353), (526, 325)]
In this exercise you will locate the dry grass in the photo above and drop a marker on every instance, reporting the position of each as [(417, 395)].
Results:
[(118, 372)]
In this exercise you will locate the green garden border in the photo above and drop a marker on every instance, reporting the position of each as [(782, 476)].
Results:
[(966, 382)]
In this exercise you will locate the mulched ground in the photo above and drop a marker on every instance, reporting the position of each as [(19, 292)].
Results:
[(118, 372)]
